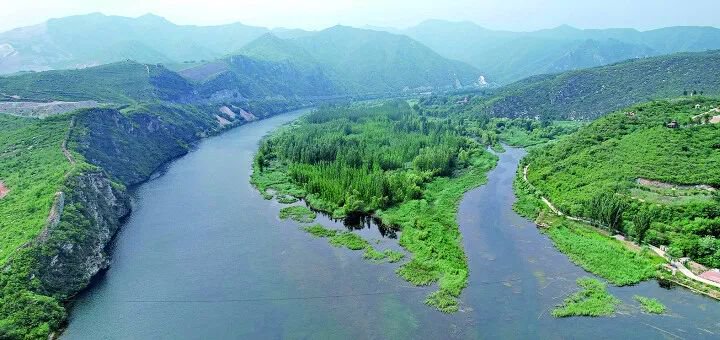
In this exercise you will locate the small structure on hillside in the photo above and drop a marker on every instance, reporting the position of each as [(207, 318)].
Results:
[(630, 114), (673, 124), (697, 106), (463, 101)]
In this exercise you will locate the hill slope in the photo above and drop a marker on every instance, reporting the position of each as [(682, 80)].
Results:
[(662, 173), (589, 93), (120, 82)]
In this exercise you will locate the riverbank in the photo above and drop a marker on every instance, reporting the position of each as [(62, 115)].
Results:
[(618, 266), (88, 162)]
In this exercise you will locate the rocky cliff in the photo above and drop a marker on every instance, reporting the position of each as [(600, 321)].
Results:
[(84, 218)]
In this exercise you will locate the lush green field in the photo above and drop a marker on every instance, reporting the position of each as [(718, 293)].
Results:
[(593, 174), (592, 300), (408, 168)]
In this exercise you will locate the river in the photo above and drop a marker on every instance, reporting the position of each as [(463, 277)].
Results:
[(204, 256)]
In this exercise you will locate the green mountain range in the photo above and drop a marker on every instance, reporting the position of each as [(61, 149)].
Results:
[(506, 56)]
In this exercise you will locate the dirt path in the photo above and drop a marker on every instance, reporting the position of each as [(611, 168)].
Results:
[(64, 148)]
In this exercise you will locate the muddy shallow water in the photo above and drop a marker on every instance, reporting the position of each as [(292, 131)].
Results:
[(205, 256)]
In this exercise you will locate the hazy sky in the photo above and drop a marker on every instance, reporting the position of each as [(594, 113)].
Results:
[(520, 15)]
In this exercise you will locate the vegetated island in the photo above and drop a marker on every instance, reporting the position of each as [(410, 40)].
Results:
[(388, 160)]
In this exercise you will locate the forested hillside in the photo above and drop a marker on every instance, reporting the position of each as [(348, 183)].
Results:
[(590, 93), (659, 181)]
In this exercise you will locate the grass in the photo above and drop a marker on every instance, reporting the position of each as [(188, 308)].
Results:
[(601, 254), (298, 213), (650, 305), (592, 300), (33, 167)]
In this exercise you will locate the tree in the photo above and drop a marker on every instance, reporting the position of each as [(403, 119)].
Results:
[(642, 222), (607, 209)]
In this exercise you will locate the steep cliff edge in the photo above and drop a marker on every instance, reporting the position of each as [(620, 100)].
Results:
[(72, 246)]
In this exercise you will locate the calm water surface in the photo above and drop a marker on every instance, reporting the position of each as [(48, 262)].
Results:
[(203, 256)]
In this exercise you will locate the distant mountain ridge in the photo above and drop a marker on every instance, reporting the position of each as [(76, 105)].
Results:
[(510, 56), (336, 61), (94, 39)]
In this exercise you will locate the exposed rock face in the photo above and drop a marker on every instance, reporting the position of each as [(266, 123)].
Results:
[(131, 148), (82, 222)]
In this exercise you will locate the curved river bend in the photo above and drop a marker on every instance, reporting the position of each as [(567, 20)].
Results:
[(204, 256)]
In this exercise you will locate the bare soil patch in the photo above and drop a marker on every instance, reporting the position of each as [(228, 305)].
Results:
[(4, 190)]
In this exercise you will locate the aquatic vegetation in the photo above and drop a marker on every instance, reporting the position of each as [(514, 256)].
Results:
[(650, 305), (318, 230), (298, 213), (592, 300), (443, 301), (430, 232), (388, 255), (374, 255), (353, 241), (286, 199), (393, 255), (349, 240)]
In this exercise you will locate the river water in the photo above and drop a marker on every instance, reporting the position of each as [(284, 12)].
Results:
[(204, 256)]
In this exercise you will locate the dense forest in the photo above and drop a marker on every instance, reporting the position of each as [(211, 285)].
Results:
[(650, 171)]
